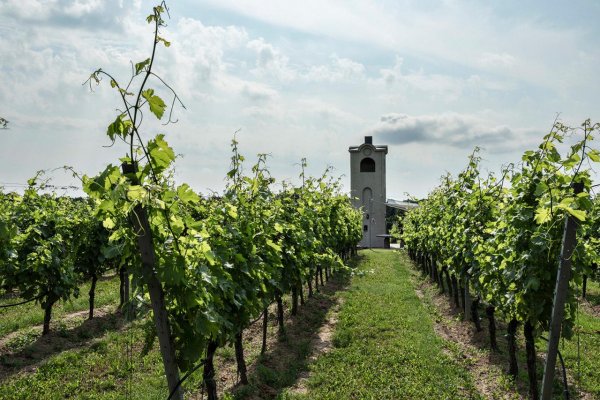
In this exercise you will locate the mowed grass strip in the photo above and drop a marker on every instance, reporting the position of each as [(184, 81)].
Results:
[(110, 367), (582, 351), (385, 345), (26, 315)]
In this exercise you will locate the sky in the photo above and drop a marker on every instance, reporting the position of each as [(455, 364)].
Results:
[(298, 79)]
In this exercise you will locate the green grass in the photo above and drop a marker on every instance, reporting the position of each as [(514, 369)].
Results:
[(97, 359), (593, 293), (583, 367), (99, 369), (385, 344), (89, 359), (384, 348), (584, 363), (15, 318)]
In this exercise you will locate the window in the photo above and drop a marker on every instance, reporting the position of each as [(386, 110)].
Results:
[(367, 165)]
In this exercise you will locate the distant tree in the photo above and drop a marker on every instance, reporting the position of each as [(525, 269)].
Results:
[(3, 123)]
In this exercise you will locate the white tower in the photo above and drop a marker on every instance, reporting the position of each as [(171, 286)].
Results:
[(367, 189)]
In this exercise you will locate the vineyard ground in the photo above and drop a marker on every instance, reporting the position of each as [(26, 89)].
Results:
[(104, 358), (384, 343), (352, 370), (384, 332), (17, 318), (488, 368)]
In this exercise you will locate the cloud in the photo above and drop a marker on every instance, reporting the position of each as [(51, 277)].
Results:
[(91, 14), (328, 114), (459, 131), (495, 60), (420, 83), (265, 52), (391, 75), (270, 62), (199, 50), (339, 69), (46, 58), (478, 36), (258, 93)]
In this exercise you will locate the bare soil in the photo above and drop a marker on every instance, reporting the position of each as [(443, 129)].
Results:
[(321, 344), (593, 309)]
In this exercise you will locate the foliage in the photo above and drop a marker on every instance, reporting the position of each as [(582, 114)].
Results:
[(219, 261), (41, 263), (505, 236), (49, 244)]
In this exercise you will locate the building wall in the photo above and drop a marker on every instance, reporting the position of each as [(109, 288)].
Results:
[(368, 191)]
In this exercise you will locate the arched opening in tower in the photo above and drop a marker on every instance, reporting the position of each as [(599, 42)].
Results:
[(367, 165)]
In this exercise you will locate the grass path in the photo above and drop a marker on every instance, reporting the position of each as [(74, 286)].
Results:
[(583, 363), (368, 336), (13, 319), (385, 345)]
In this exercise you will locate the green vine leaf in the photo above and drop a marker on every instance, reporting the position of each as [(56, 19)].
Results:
[(594, 155), (120, 127), (136, 193), (141, 65), (157, 105), (186, 194), (542, 215), (108, 223), (161, 155), (579, 214), (572, 161), (165, 42)]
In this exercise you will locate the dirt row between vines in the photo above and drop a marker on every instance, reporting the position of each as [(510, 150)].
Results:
[(488, 368), (313, 327)]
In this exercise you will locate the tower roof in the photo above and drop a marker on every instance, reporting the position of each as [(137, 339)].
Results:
[(369, 144), (358, 149)]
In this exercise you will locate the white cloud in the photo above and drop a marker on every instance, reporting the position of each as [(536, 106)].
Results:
[(391, 75), (495, 60), (199, 51), (258, 93), (332, 18), (89, 14), (444, 87), (329, 113), (79, 8), (465, 34), (299, 79), (28, 9), (265, 52), (339, 69), (270, 63)]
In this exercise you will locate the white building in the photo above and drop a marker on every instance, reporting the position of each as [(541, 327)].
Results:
[(367, 189)]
